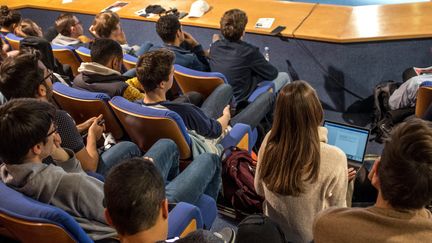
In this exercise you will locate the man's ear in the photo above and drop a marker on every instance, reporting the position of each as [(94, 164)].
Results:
[(164, 208), (108, 217), (37, 149), (373, 174), (42, 91)]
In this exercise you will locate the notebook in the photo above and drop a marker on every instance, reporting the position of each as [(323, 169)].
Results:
[(352, 140)]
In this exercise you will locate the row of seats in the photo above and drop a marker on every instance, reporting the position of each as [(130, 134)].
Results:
[(26, 219), (144, 125), (68, 55)]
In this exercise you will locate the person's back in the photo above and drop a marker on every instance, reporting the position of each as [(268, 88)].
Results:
[(295, 214), (103, 73), (242, 63), (189, 53), (299, 179), (402, 176)]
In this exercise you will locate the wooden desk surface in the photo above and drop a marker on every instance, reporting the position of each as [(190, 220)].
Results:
[(340, 24)]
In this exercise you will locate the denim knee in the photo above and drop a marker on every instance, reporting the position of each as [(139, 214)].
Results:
[(131, 148)]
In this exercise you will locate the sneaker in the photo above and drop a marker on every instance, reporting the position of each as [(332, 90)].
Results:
[(227, 234)]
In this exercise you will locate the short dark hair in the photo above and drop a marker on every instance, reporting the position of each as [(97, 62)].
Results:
[(103, 49), (23, 124), (105, 23), (21, 76), (167, 27), (64, 22), (134, 190), (8, 17), (405, 170), (233, 24), (154, 67)]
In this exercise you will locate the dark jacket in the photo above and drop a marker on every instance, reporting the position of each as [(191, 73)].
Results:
[(243, 65), (193, 117), (193, 58)]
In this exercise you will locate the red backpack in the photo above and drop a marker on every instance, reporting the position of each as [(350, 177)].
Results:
[(238, 182)]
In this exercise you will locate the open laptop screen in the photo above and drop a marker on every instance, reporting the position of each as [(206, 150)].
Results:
[(352, 140)]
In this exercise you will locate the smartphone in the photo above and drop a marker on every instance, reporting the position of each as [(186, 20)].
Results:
[(277, 30), (182, 15), (101, 122)]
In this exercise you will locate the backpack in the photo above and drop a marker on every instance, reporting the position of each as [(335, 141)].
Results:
[(238, 172), (383, 117)]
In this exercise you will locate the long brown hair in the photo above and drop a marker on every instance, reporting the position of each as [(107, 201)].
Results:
[(292, 154)]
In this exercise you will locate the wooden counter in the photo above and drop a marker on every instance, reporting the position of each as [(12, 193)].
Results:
[(331, 23)]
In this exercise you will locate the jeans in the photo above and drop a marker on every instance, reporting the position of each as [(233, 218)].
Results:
[(255, 111), (281, 80), (251, 115), (214, 104), (202, 176), (117, 153)]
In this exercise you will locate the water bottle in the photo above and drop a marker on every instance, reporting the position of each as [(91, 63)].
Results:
[(267, 53)]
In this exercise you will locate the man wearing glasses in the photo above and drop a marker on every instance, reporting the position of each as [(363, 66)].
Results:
[(70, 31), (26, 77), (29, 135)]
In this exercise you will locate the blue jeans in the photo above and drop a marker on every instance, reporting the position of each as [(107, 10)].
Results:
[(117, 153), (251, 115), (202, 176)]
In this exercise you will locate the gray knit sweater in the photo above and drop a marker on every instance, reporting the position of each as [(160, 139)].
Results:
[(65, 186)]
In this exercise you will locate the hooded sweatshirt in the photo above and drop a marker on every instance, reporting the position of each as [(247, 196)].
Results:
[(96, 77), (63, 40), (65, 186)]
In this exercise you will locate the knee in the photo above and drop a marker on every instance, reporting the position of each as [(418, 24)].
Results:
[(285, 76), (130, 148), (225, 88)]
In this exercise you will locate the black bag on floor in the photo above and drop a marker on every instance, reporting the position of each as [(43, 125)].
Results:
[(384, 118)]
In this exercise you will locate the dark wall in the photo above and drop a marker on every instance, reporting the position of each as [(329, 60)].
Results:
[(357, 67)]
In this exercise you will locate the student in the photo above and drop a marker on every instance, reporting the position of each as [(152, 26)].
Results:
[(403, 178), (9, 20), (27, 77), (103, 73), (298, 173), (28, 27), (29, 135), (70, 31), (189, 53), (241, 62), (136, 201), (107, 25), (155, 72)]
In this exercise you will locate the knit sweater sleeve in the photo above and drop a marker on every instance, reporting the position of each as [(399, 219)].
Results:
[(132, 92), (337, 189), (258, 183)]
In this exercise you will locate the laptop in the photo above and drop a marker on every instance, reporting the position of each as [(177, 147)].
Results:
[(352, 140)]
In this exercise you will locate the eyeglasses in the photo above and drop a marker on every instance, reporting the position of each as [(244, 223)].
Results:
[(53, 131), (49, 75)]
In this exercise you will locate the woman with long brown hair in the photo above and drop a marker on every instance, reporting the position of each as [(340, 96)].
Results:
[(298, 174)]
